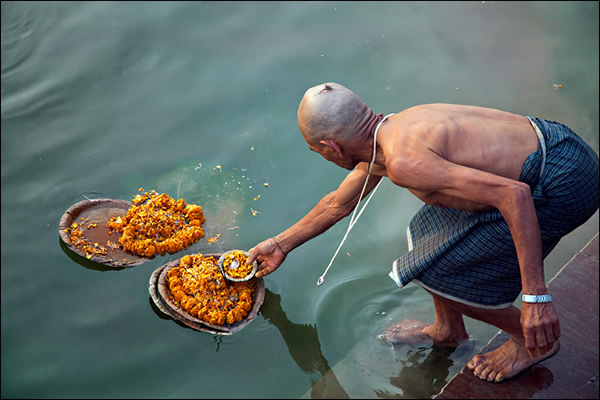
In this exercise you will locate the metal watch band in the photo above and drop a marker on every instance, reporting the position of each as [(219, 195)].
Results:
[(537, 298)]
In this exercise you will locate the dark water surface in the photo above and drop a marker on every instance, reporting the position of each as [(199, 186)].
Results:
[(101, 98)]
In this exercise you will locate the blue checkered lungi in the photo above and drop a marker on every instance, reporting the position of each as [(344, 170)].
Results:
[(471, 257)]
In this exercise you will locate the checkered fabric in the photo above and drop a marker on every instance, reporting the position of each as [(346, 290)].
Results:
[(471, 257)]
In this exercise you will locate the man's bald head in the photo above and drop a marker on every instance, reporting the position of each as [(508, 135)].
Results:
[(331, 111)]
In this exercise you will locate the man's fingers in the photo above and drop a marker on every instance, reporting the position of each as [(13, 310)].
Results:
[(542, 343), (531, 345), (252, 255), (551, 339), (263, 255), (264, 270)]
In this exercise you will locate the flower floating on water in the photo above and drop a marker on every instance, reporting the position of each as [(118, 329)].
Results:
[(214, 238), (75, 233)]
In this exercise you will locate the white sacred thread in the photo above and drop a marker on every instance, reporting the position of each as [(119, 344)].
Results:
[(352, 219)]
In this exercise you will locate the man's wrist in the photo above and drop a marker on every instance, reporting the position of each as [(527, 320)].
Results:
[(279, 247), (537, 298)]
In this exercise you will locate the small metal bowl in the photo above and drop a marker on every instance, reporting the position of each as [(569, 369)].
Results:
[(224, 269)]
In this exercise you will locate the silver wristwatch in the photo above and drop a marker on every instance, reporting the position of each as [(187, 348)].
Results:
[(537, 298)]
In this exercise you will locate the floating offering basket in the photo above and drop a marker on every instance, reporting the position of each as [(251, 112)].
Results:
[(83, 228), (163, 284), (118, 233)]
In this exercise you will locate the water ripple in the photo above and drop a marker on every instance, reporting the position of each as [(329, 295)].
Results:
[(18, 22)]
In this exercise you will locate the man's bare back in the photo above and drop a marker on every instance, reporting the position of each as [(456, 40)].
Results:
[(484, 139)]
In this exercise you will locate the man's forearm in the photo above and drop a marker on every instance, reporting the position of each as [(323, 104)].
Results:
[(322, 217), (523, 224)]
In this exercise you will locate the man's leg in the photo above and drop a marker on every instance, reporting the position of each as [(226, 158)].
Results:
[(448, 327), (509, 359), (505, 362), (449, 324)]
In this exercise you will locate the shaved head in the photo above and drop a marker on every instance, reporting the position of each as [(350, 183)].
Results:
[(331, 111)]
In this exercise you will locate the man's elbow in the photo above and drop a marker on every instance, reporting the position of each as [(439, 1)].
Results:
[(334, 208), (518, 196)]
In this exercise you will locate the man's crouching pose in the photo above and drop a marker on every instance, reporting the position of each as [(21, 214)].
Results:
[(500, 190)]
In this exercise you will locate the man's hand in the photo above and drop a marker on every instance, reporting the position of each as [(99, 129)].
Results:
[(540, 327), (268, 255)]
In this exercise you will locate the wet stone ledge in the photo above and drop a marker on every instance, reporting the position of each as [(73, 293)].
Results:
[(573, 372)]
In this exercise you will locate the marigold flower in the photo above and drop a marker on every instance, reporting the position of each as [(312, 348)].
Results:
[(198, 287), (157, 224), (243, 268)]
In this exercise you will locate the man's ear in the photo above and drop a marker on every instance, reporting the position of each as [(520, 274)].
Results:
[(333, 145)]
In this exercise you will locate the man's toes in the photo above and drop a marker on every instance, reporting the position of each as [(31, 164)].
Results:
[(475, 362), (482, 372), (491, 375), (499, 377)]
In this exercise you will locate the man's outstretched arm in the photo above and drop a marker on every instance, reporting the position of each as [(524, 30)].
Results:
[(330, 209)]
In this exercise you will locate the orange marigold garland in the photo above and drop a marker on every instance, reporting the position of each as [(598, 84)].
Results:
[(199, 288), (157, 224)]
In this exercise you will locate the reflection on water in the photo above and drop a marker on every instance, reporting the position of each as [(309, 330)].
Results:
[(424, 371), (84, 262), (377, 369), (303, 344), (538, 379), (415, 371), (101, 98)]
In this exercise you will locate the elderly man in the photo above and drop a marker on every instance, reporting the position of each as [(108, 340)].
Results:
[(500, 190)]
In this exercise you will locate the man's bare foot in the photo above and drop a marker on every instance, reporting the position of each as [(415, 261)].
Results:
[(416, 332), (506, 361), (406, 331)]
